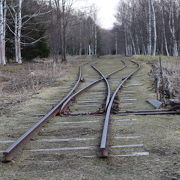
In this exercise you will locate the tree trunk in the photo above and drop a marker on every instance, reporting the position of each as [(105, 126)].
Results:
[(133, 44), (125, 40), (15, 37), (144, 50), (80, 39), (2, 34), (19, 32), (116, 42), (95, 40), (138, 49), (18, 27), (149, 46), (89, 52), (164, 30), (172, 30), (63, 32), (4, 22), (154, 28)]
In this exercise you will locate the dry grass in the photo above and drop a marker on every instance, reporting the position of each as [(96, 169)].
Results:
[(32, 77), (169, 85), (155, 58), (157, 133), (171, 73), (17, 82)]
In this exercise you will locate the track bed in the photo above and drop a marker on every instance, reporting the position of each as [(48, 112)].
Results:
[(139, 147)]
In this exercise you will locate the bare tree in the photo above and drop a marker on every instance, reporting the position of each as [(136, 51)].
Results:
[(154, 28), (149, 46), (172, 28), (18, 27), (15, 8), (20, 21), (94, 15), (150, 26), (61, 18), (164, 29), (2, 31)]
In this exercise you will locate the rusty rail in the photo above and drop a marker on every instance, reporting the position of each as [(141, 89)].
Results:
[(143, 112), (71, 98), (12, 151), (104, 139), (107, 85)]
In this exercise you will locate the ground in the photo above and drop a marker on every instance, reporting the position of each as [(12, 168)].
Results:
[(156, 135)]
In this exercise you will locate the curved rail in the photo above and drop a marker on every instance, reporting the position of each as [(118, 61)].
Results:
[(67, 102), (107, 85), (104, 138), (18, 145)]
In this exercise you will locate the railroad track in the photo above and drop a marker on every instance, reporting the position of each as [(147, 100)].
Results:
[(75, 95), (17, 146), (108, 92), (12, 151), (105, 134)]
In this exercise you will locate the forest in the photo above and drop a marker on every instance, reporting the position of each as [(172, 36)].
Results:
[(148, 27), (41, 28)]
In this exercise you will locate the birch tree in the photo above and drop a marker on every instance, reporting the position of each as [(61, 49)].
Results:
[(154, 28), (15, 8), (18, 28), (149, 46), (150, 26), (152, 32), (172, 28), (2, 31), (20, 20), (164, 28), (94, 15)]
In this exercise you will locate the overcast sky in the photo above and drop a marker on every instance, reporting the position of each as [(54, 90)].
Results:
[(106, 11)]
